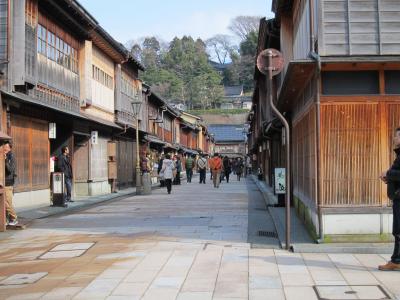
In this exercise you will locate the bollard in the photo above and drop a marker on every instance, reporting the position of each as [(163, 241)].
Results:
[(146, 183), (2, 210)]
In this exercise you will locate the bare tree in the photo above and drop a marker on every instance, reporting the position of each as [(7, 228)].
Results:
[(220, 46), (243, 25)]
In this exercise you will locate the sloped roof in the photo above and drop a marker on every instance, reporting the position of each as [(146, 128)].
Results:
[(227, 133), (235, 90)]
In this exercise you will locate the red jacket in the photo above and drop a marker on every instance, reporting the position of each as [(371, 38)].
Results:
[(215, 164)]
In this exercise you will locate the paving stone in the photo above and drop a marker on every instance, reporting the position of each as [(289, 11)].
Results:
[(26, 296), (300, 293), (18, 279), (62, 254), (264, 282), (262, 294), (62, 293), (130, 289), (72, 246), (195, 296)]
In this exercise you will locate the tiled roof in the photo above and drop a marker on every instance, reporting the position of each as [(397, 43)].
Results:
[(235, 90), (227, 133)]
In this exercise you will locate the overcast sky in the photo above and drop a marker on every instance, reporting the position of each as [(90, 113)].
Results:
[(131, 19)]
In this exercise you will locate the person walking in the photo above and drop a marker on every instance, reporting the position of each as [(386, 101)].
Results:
[(202, 167), (178, 166), (167, 170), (160, 164), (392, 178), (10, 174), (216, 167), (189, 164), (227, 168), (64, 165), (239, 169)]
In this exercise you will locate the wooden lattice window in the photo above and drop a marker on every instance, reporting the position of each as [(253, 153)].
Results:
[(31, 13), (350, 146)]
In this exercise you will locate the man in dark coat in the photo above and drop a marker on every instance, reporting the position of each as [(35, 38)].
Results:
[(64, 164), (392, 178)]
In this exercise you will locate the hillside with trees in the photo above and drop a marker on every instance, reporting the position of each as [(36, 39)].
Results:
[(183, 70)]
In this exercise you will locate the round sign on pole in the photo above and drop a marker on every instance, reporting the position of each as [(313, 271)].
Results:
[(277, 61)]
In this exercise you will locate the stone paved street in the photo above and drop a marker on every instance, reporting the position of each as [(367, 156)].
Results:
[(192, 244)]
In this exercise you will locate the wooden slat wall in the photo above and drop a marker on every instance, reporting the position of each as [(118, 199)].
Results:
[(81, 158), (126, 158), (301, 29), (31, 150), (360, 27), (393, 122), (99, 160), (350, 154), (304, 158)]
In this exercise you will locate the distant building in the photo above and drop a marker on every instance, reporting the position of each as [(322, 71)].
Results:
[(230, 140), (220, 68), (179, 106), (234, 98)]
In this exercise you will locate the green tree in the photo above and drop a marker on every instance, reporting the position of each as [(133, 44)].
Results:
[(189, 60)]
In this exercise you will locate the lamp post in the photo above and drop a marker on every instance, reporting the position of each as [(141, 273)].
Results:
[(136, 110)]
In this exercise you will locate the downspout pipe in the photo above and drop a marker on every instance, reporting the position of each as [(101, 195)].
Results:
[(287, 144), (162, 118), (315, 56)]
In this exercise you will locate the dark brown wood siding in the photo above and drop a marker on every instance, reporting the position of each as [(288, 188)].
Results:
[(304, 158), (31, 149), (126, 159)]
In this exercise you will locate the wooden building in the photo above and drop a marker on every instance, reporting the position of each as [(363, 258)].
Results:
[(61, 86), (339, 90)]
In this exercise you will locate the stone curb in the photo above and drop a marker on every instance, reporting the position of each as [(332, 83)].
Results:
[(353, 248)]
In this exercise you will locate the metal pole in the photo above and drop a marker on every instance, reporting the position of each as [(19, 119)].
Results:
[(286, 124), (138, 179)]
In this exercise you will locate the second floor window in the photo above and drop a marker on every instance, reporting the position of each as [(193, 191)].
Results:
[(102, 77), (127, 87), (56, 49)]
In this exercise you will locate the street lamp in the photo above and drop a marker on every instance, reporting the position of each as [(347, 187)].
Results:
[(136, 110)]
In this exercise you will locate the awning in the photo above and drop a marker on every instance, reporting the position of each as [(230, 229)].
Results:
[(168, 145), (154, 140), (296, 77)]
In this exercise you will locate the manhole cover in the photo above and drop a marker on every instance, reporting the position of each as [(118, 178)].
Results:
[(271, 234), (348, 292)]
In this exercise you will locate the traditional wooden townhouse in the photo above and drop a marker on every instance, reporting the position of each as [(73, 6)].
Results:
[(339, 90), (191, 130), (128, 89), (62, 83)]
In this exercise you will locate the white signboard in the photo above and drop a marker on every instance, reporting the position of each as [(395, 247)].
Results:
[(52, 130), (280, 183), (94, 137)]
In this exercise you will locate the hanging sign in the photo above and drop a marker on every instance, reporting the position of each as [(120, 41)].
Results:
[(52, 130)]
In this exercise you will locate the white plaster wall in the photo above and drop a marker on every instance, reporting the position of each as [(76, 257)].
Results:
[(31, 200), (357, 223), (102, 96)]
